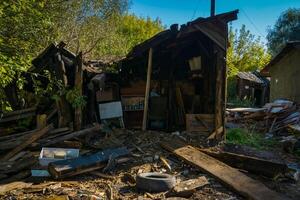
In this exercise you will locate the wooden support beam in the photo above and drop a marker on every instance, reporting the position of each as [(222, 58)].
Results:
[(219, 97), (233, 178), (78, 86), (147, 92)]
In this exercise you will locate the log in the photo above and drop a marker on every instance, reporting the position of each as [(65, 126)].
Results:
[(82, 164), (32, 138), (236, 180), (97, 127)]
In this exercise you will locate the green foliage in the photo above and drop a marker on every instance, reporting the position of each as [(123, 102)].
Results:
[(74, 97), (246, 52), (252, 139), (237, 102), (286, 28), (135, 30), (101, 29)]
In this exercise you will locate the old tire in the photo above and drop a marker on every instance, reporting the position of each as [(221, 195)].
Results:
[(155, 182)]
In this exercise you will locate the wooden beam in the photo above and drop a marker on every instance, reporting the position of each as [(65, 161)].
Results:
[(239, 182), (18, 112), (78, 86), (32, 138), (251, 164), (97, 127), (147, 92), (219, 97)]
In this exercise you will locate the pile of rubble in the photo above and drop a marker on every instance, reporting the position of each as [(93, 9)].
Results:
[(273, 118)]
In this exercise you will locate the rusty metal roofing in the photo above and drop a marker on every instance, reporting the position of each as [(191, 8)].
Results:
[(250, 76)]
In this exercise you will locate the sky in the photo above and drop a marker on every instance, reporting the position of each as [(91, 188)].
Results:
[(257, 15)]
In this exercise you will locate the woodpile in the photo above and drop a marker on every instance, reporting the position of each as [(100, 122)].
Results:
[(274, 117)]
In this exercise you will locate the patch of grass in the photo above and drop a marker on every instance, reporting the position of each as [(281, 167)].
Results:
[(237, 102), (252, 139)]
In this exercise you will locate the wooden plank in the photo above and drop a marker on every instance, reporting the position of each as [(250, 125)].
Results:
[(64, 168), (187, 188), (251, 164), (147, 92), (13, 186), (17, 177), (19, 112), (32, 138), (17, 117), (231, 177), (93, 129)]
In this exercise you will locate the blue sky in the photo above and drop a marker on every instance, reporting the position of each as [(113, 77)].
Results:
[(257, 15)]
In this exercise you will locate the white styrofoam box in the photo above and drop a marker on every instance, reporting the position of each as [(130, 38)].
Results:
[(49, 155), (110, 110)]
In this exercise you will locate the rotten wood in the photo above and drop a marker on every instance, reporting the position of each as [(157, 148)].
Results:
[(239, 182), (251, 164), (32, 138), (187, 188)]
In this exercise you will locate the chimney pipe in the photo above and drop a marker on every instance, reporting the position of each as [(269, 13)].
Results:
[(212, 7)]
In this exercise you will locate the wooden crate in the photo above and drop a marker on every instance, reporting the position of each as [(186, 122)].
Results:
[(200, 122)]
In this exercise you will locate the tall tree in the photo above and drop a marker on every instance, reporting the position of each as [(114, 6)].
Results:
[(286, 28), (246, 52)]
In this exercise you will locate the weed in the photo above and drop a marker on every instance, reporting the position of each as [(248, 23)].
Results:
[(253, 139)]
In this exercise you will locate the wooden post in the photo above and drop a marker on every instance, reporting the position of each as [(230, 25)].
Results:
[(212, 7), (219, 103), (41, 121), (78, 85), (149, 71)]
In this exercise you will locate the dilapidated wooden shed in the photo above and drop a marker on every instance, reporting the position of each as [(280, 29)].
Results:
[(188, 78), (253, 86), (284, 72)]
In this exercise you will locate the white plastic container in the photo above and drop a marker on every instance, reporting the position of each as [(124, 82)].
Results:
[(49, 155)]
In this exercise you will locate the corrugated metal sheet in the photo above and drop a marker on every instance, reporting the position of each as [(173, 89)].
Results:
[(249, 76)]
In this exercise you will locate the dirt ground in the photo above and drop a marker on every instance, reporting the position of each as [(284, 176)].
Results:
[(119, 181)]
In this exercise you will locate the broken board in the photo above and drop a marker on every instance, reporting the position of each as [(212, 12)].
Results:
[(69, 167), (233, 178)]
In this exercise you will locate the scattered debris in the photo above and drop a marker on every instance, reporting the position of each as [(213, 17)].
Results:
[(188, 188), (235, 179)]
